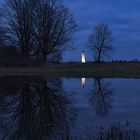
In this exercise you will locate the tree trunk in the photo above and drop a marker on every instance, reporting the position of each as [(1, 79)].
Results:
[(99, 57), (25, 53), (45, 58)]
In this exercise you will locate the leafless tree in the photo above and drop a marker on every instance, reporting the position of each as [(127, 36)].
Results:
[(55, 26), (3, 35), (20, 21), (100, 41), (40, 27)]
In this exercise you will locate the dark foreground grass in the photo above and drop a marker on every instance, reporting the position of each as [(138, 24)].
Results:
[(116, 131), (110, 70)]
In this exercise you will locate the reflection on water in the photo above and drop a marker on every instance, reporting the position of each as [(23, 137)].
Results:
[(115, 131), (35, 108), (101, 96), (83, 82)]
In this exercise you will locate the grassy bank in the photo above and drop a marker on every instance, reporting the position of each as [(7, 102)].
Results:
[(116, 70)]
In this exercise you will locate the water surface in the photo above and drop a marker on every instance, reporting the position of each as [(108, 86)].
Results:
[(36, 108)]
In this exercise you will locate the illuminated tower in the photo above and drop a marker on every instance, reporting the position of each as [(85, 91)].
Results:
[(83, 57)]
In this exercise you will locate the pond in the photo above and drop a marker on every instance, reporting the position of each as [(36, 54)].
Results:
[(54, 108)]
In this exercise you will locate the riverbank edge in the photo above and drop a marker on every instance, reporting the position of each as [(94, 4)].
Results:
[(109, 70)]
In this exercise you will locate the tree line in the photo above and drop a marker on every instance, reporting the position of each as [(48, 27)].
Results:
[(43, 29)]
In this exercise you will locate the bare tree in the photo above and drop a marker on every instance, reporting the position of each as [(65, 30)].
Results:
[(20, 20), (40, 27), (3, 35), (100, 41), (55, 26)]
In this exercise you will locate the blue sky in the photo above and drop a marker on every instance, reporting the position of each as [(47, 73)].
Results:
[(123, 18)]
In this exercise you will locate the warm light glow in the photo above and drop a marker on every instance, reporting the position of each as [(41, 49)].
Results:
[(83, 57), (83, 82)]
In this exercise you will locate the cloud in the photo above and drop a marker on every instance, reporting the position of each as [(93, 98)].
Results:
[(122, 16)]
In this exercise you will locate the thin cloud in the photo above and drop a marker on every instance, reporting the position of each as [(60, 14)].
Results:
[(123, 17)]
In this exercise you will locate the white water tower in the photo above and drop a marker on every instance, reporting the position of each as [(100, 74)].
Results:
[(83, 57)]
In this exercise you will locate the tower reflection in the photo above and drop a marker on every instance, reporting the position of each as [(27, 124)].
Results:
[(83, 80)]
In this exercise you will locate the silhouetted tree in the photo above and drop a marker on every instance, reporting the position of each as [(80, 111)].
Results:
[(40, 27), (100, 98), (20, 21), (3, 35), (55, 57), (55, 26), (8, 55), (100, 42)]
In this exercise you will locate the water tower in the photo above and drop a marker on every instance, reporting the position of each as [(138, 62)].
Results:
[(83, 57)]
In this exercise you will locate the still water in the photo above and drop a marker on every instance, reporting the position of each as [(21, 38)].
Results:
[(36, 108)]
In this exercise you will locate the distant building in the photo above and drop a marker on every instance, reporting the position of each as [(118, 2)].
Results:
[(83, 57)]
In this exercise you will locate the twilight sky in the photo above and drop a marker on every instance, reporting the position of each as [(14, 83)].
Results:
[(123, 18)]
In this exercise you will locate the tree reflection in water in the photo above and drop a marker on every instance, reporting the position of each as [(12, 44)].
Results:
[(35, 109), (101, 96)]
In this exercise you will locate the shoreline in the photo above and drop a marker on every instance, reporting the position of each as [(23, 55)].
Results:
[(105, 70)]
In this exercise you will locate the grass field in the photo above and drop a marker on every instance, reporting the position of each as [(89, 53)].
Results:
[(110, 70)]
